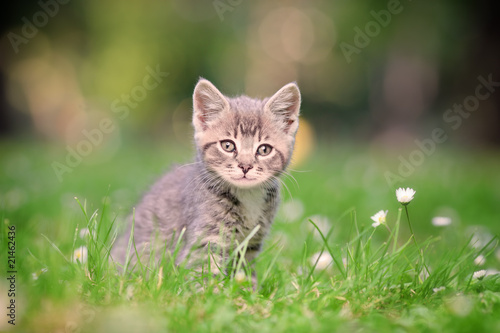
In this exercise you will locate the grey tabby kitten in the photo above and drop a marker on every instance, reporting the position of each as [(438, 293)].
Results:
[(242, 146)]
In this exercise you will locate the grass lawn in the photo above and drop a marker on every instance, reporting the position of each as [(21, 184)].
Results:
[(349, 277)]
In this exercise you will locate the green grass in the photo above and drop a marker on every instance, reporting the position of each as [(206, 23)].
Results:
[(375, 282)]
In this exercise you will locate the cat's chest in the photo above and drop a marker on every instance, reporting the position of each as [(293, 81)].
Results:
[(252, 206)]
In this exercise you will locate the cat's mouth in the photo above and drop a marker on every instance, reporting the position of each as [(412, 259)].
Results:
[(244, 181), (243, 178)]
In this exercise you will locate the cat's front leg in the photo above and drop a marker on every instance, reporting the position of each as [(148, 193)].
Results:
[(208, 256), (251, 253)]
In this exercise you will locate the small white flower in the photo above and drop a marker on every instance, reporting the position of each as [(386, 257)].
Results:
[(479, 274), (84, 233), (480, 237), (424, 274), (323, 224), (436, 290), (480, 260), (441, 221), (379, 218), (324, 260), (240, 276), (292, 210), (405, 195), (80, 254)]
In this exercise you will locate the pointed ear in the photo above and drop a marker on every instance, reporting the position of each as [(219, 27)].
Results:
[(208, 104), (285, 105)]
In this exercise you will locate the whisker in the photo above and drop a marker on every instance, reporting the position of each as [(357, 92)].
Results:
[(188, 164), (219, 184), (199, 176), (204, 180), (210, 178), (291, 177), (200, 180), (298, 170), (266, 184), (284, 185)]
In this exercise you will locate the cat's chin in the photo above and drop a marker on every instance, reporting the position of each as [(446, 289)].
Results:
[(244, 182)]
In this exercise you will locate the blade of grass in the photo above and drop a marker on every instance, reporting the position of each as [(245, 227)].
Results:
[(56, 248), (339, 265)]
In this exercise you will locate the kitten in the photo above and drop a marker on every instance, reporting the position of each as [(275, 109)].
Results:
[(242, 146)]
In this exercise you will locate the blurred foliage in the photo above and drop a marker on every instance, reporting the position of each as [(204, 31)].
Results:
[(88, 54), (69, 69)]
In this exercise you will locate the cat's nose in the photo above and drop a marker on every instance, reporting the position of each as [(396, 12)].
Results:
[(245, 168)]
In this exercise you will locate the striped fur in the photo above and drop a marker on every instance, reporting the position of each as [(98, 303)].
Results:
[(223, 195)]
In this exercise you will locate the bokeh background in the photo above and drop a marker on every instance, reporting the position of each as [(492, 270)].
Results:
[(62, 77), (375, 76), (95, 103)]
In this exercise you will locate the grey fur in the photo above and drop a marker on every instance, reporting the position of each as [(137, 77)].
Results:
[(222, 194)]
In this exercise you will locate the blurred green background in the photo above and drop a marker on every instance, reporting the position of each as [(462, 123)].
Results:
[(64, 63), (95, 103), (97, 94)]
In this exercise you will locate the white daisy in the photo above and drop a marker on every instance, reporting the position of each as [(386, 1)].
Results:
[(479, 274), (80, 254), (405, 195), (292, 210), (441, 221), (324, 260), (480, 260), (379, 218), (323, 224), (240, 276), (84, 233), (436, 290), (480, 237)]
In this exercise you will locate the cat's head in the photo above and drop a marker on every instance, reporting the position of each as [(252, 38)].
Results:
[(245, 141)]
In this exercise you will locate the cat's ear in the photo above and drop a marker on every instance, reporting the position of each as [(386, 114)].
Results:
[(285, 105), (208, 104)]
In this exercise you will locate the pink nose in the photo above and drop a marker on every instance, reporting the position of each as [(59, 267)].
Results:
[(245, 168)]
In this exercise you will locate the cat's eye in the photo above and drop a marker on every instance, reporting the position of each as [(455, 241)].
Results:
[(228, 146), (264, 150)]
